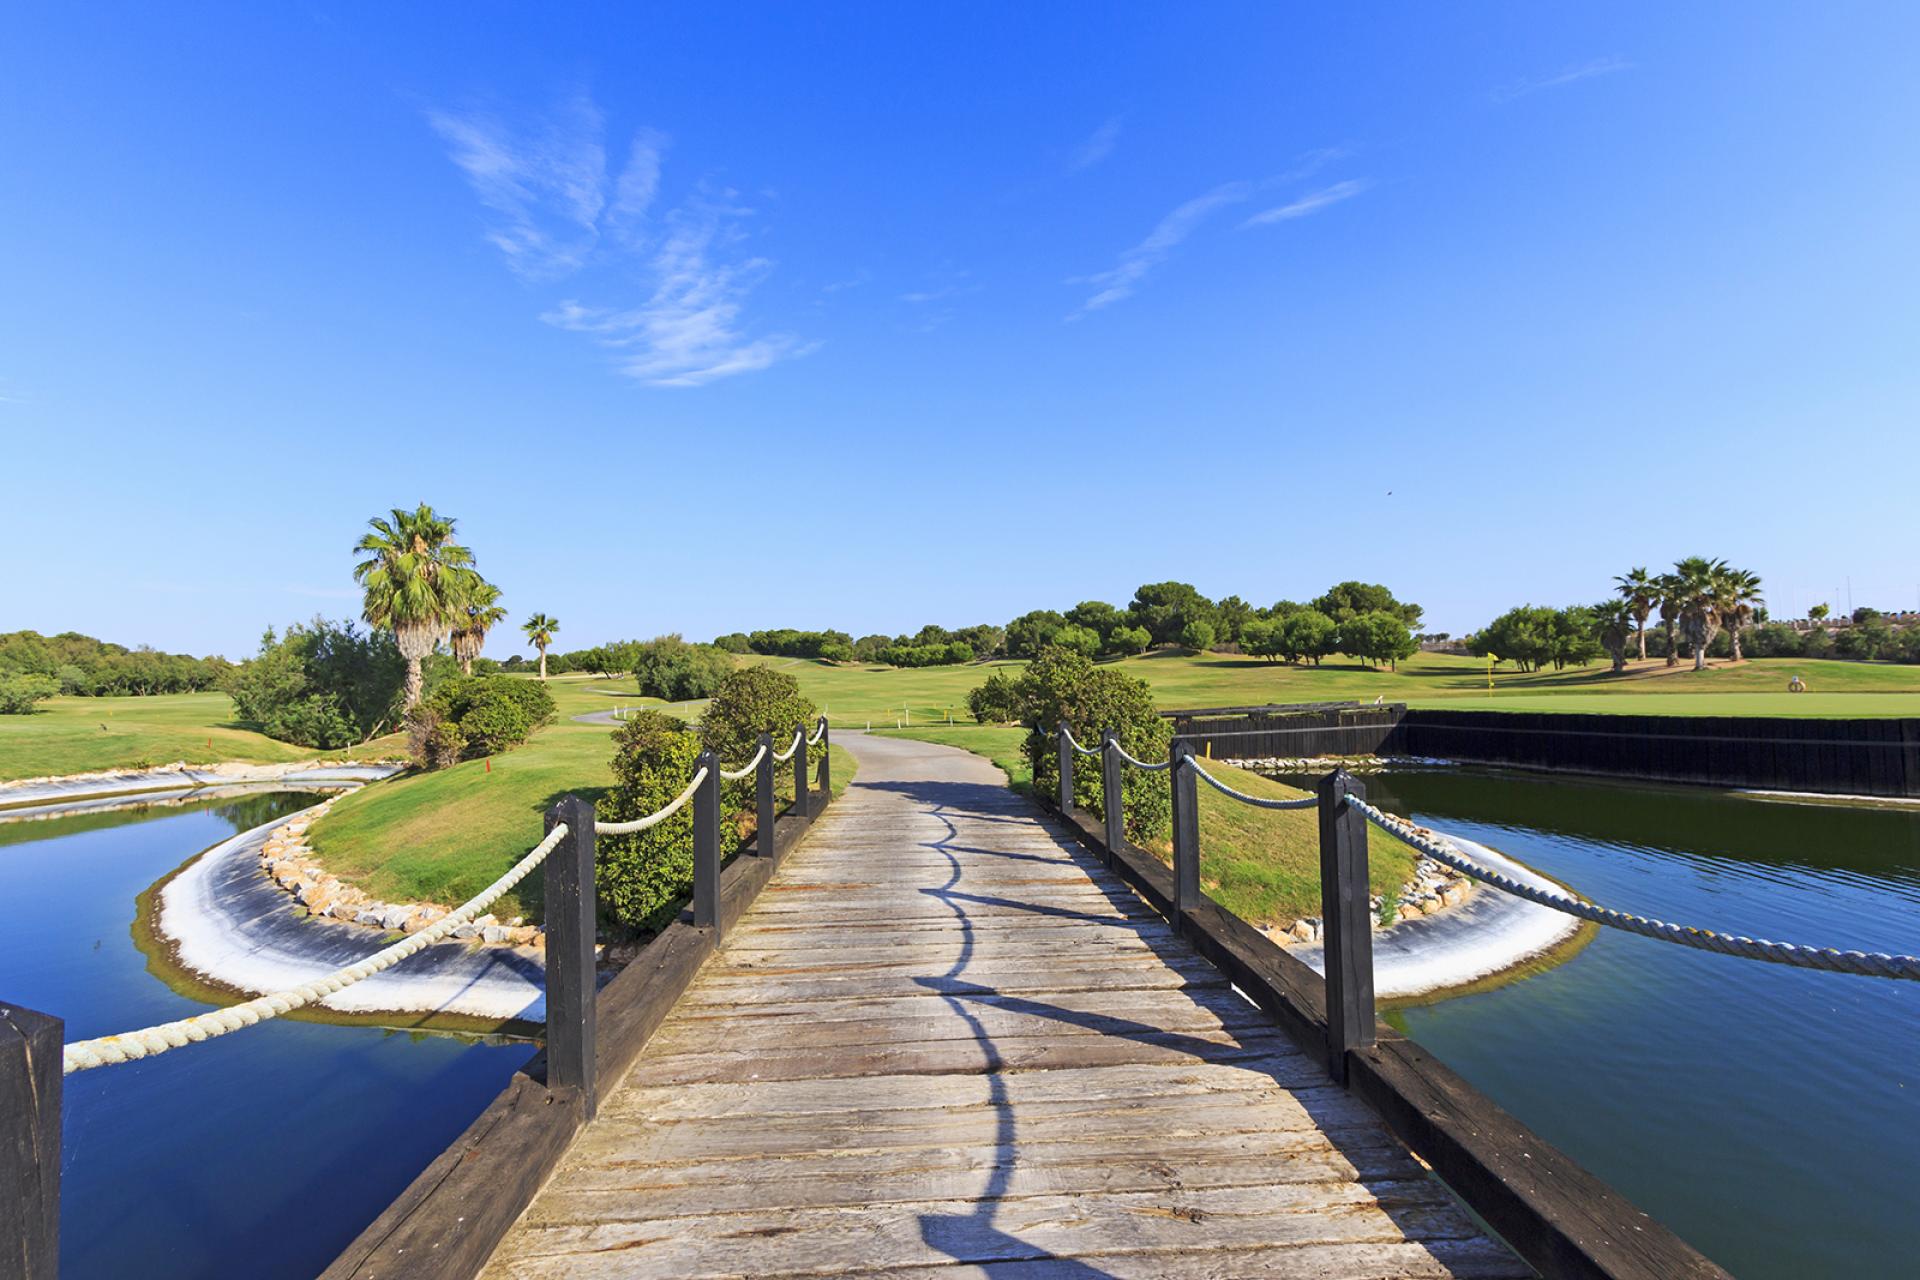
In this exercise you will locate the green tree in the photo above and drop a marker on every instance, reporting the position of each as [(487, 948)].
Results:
[(1640, 592), (1377, 637), (749, 702), (1307, 633), (1096, 616), (322, 684), (1230, 618), (1197, 635), (1346, 600), (1031, 632), (1671, 591), (1165, 608), (1061, 686), (1702, 590), (540, 630), (642, 878), (417, 581), (19, 694), (1084, 640), (1262, 638), (997, 701), (1819, 612), (1616, 622), (1522, 635), (483, 615)]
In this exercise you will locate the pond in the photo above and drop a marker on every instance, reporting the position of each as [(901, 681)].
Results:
[(1770, 1116), (259, 1154)]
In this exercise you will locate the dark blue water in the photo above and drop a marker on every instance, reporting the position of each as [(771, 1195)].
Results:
[(260, 1154), (1771, 1116)]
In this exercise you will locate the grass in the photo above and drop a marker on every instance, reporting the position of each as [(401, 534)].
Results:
[(90, 735), (856, 695), (444, 836), (1262, 865)]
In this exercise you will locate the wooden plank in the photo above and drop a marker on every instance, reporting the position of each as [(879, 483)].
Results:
[(30, 1089), (1404, 1260)]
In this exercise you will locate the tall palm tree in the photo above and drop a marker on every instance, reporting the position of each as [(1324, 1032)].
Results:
[(416, 579), (1614, 620), (1667, 595), (1740, 600), (1640, 591), (540, 629), (483, 615), (1703, 590)]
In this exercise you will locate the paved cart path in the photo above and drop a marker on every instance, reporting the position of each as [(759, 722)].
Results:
[(946, 1043)]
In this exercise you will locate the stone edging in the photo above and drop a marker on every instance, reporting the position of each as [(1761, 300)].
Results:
[(288, 860)]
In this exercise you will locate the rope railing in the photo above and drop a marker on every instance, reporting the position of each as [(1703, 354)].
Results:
[(1877, 964), (1075, 743), (1121, 751), (84, 1055), (819, 732), (658, 816), (734, 775), (781, 757), (1258, 802)]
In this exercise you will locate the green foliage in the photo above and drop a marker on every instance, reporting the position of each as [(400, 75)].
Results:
[(1062, 686), (1031, 632), (1082, 640), (986, 640), (997, 701), (669, 668), (1534, 636), (1348, 600), (926, 655), (749, 702), (867, 648), (1124, 641), (788, 643), (1231, 617), (19, 693), (1096, 616), (1165, 609), (323, 684), (468, 717), (642, 878), (1377, 637), (85, 667), (734, 642), (1197, 635)]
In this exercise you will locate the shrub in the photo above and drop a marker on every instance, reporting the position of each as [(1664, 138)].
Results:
[(734, 642), (1082, 640), (750, 702), (944, 654), (1127, 641), (323, 684), (18, 694), (997, 701), (1062, 685), (472, 716), (1197, 635), (641, 878), (670, 669)]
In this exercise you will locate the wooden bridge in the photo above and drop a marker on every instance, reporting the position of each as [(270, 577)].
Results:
[(945, 1038)]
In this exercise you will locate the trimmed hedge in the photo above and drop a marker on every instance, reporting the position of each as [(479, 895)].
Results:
[(643, 878)]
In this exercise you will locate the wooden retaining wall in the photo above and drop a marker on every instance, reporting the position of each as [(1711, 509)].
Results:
[(1870, 757)]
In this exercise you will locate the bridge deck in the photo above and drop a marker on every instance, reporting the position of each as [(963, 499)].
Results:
[(944, 1043)]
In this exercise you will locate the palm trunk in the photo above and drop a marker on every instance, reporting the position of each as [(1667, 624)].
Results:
[(1733, 637), (1673, 647), (543, 664), (1642, 629)]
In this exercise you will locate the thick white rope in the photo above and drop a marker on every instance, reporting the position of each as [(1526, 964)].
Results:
[(1138, 764), (784, 756), (1075, 744), (818, 733), (1258, 802), (83, 1055), (744, 769), (1876, 964), (655, 818)]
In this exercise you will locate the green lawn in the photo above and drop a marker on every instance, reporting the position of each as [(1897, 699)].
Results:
[(444, 836), (89, 735), (1262, 865)]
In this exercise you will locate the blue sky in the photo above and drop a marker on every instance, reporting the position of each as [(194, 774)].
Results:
[(714, 317)]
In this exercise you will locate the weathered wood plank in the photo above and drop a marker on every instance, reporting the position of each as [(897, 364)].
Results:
[(1425, 1260)]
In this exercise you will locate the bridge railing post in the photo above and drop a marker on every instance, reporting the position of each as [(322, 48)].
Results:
[(763, 839), (1063, 742), (571, 915), (826, 757), (802, 799), (1186, 830), (706, 845), (30, 1085), (1347, 923), (1112, 796)]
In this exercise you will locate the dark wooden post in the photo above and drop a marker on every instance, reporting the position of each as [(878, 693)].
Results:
[(1346, 920), (1186, 831), (1064, 741), (571, 914), (802, 800), (763, 841), (826, 758), (1113, 799), (706, 845), (30, 1082)]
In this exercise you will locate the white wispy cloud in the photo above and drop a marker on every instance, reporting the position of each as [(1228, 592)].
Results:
[(557, 214), (1312, 202), (1137, 263), (1097, 147), (688, 332), (1567, 75)]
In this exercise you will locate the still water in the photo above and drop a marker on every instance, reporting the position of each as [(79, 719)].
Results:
[(1769, 1115), (260, 1154)]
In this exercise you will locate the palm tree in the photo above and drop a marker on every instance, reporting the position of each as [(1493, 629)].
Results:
[(1668, 590), (1739, 600), (1614, 620), (540, 629), (483, 615), (417, 580), (1703, 593), (1640, 591)]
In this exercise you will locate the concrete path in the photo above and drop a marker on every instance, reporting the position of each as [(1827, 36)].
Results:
[(944, 1042)]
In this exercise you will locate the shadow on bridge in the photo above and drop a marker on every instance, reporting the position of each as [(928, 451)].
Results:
[(974, 1238)]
